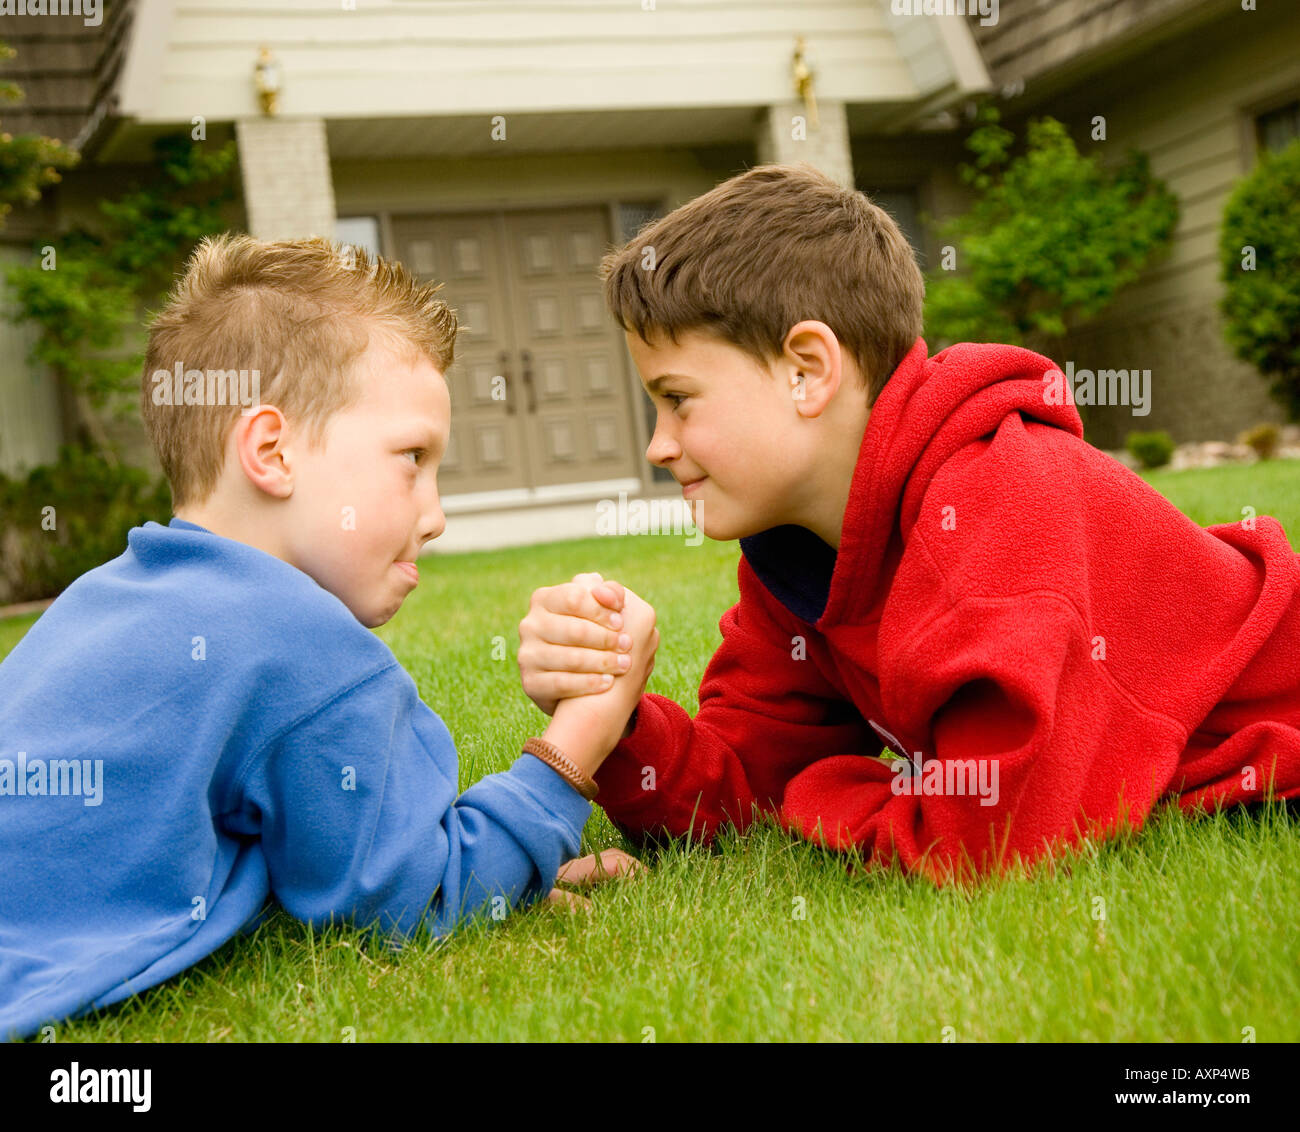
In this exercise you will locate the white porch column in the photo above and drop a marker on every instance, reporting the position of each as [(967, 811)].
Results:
[(285, 164), (786, 134)]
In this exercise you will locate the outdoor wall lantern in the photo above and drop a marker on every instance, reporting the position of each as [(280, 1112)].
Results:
[(268, 80), (803, 81)]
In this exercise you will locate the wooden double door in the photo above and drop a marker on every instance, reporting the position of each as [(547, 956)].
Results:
[(540, 388)]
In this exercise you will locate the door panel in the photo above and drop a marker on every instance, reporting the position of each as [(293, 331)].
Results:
[(571, 351), (464, 252)]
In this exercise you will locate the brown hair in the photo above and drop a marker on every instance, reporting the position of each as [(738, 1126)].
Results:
[(767, 249), (299, 313)]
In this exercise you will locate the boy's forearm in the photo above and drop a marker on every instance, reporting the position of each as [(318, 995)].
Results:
[(585, 739)]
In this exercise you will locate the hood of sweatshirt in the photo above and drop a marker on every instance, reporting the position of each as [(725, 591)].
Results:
[(929, 409)]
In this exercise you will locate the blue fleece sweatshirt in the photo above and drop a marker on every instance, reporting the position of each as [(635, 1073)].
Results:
[(197, 725)]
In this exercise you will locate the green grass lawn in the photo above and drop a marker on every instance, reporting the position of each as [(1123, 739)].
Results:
[(1197, 943)]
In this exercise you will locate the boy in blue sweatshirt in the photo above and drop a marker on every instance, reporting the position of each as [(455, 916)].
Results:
[(206, 720)]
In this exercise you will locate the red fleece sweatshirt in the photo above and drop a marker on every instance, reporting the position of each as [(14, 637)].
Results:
[(1007, 602)]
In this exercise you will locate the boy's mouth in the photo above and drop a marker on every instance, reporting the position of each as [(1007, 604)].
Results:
[(692, 485), (411, 571)]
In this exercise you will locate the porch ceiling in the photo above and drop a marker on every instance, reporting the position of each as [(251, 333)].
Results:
[(551, 132), (352, 139)]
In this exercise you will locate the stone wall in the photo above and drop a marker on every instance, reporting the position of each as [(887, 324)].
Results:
[(1199, 391)]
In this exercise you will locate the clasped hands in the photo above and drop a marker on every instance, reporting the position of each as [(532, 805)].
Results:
[(586, 650)]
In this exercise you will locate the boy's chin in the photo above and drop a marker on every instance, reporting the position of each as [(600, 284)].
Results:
[(373, 617), (713, 527), (705, 523)]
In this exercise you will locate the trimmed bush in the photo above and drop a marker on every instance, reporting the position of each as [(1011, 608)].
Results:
[(66, 518), (1263, 438), (1259, 254), (1151, 449)]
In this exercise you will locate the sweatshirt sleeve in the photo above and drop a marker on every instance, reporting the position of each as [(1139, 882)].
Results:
[(766, 711), (359, 819)]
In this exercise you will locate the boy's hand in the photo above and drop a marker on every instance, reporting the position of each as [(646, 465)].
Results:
[(569, 901), (593, 869), (572, 638), (588, 727), (597, 868)]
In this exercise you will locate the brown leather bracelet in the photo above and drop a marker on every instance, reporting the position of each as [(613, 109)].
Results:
[(550, 754)]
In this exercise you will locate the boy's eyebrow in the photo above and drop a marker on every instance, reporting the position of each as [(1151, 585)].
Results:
[(426, 438), (655, 382)]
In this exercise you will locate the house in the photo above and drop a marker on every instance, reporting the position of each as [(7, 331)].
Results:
[(502, 147)]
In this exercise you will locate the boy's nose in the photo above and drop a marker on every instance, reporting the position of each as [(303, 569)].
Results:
[(662, 448), (432, 524)]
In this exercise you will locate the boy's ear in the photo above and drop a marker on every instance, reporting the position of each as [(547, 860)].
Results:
[(260, 446), (813, 365)]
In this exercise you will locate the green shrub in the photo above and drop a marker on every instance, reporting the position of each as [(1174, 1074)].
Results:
[(28, 162), (1259, 254), (92, 504), (1051, 237), (86, 300), (1152, 449), (1263, 438)]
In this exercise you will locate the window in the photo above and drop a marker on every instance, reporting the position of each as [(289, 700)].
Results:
[(1278, 128), (904, 206), (631, 218), (359, 231)]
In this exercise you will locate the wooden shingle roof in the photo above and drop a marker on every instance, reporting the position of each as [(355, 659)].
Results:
[(67, 71)]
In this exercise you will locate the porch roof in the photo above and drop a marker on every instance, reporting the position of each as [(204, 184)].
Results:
[(425, 77)]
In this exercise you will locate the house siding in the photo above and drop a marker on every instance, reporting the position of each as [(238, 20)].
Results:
[(1194, 119), (30, 418)]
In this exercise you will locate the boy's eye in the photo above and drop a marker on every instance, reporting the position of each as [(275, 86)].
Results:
[(418, 453), (675, 398)]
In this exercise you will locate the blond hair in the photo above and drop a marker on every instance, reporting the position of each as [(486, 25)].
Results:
[(299, 313), (765, 250)]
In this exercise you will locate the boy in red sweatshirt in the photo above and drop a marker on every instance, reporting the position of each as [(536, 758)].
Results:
[(933, 560)]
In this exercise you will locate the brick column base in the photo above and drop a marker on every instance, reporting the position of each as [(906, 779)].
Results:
[(285, 165), (786, 134)]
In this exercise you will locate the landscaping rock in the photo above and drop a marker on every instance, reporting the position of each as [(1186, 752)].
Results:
[(1215, 453)]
